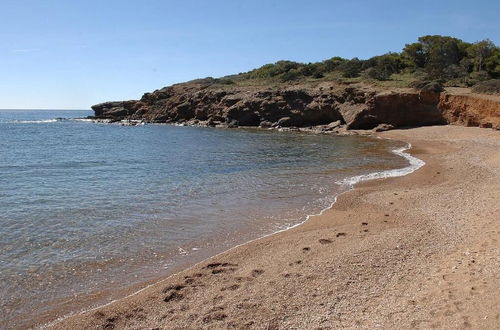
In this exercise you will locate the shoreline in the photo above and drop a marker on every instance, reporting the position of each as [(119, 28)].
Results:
[(351, 182), (176, 261), (83, 318)]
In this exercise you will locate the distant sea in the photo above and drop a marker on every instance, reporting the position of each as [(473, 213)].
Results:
[(87, 209)]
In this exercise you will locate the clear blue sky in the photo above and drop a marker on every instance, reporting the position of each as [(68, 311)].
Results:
[(72, 54)]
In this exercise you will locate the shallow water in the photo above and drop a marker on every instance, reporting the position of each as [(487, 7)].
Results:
[(86, 207)]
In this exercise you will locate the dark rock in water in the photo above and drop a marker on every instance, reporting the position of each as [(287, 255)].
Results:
[(333, 125), (383, 127), (243, 115), (210, 122), (265, 124), (284, 122), (114, 109), (232, 124)]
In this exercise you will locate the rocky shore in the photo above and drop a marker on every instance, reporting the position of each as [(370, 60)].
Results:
[(326, 107)]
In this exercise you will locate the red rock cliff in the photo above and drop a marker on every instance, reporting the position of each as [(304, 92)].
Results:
[(470, 110)]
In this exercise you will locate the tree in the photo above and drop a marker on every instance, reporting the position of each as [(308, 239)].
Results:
[(492, 63), (415, 54), (479, 52), (435, 53), (440, 52)]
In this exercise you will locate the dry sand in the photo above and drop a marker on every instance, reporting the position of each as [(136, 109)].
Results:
[(419, 251)]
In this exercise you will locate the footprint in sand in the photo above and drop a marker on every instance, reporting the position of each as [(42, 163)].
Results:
[(173, 296), (287, 275), (231, 287), (110, 322), (257, 272), (217, 316), (218, 268), (175, 287), (325, 241)]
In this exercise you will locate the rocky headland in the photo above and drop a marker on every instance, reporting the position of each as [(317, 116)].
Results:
[(325, 107)]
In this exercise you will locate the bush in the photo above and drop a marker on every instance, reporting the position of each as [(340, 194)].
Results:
[(488, 87), (293, 74), (351, 69), (318, 75), (306, 71), (432, 58), (332, 64), (477, 77), (224, 81), (376, 73), (428, 86), (277, 69)]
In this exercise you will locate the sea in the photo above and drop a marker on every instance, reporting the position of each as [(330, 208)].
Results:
[(90, 212)]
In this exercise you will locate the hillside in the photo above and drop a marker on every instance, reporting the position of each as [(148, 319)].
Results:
[(394, 90)]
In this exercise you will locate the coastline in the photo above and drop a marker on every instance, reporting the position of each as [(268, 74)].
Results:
[(256, 272), (110, 287), (132, 289)]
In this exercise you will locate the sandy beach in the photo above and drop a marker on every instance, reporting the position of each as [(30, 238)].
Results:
[(418, 251)]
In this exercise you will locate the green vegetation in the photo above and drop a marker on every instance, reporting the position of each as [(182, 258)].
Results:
[(488, 87), (428, 63)]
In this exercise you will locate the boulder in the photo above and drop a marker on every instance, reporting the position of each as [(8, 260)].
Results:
[(265, 124), (333, 125), (383, 127), (284, 122)]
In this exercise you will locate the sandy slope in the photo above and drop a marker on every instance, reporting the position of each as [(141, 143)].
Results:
[(420, 251)]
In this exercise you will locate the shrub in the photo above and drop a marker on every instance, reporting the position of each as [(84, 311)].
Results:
[(290, 75), (488, 87), (477, 77), (428, 86), (333, 63), (376, 73), (351, 69), (318, 75), (224, 81)]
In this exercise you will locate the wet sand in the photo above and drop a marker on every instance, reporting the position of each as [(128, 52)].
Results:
[(418, 251)]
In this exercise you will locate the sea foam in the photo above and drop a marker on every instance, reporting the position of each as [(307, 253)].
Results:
[(415, 164)]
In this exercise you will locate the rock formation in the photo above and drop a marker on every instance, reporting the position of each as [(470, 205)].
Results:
[(352, 107)]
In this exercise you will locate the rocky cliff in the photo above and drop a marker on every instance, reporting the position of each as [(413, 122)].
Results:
[(471, 110), (352, 107)]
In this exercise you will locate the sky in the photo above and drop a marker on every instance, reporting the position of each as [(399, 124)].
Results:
[(71, 54)]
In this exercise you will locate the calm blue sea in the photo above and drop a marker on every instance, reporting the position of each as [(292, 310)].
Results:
[(88, 207)]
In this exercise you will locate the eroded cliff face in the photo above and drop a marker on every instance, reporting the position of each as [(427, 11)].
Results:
[(397, 108), (470, 110), (354, 107)]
